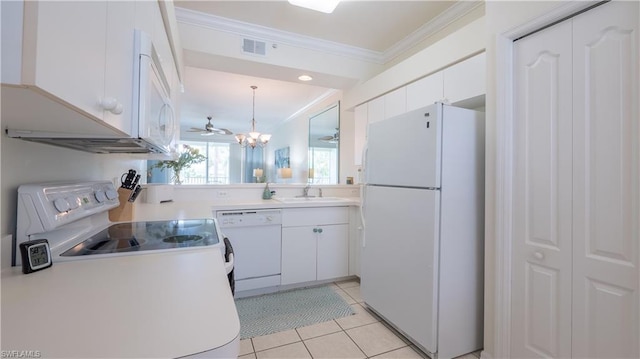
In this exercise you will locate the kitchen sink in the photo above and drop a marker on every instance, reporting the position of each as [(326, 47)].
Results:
[(311, 199)]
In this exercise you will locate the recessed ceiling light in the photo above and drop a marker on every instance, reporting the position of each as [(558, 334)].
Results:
[(326, 6), (305, 78)]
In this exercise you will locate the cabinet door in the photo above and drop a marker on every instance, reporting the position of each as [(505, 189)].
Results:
[(333, 252), (298, 255), (606, 214), (541, 267), (466, 79), (425, 91), (69, 50), (395, 103), (119, 63), (360, 133), (375, 110)]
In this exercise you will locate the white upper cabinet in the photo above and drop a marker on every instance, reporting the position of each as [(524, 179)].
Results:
[(118, 63), (360, 132), (395, 103), (375, 110), (425, 91), (65, 53), (465, 80)]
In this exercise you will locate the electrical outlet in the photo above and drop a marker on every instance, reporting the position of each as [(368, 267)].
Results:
[(222, 194)]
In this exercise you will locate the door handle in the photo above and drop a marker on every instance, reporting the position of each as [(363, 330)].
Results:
[(538, 255)]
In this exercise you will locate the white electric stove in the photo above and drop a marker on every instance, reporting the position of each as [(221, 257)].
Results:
[(74, 218)]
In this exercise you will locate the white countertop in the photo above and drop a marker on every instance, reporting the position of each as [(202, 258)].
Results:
[(168, 304), (205, 209)]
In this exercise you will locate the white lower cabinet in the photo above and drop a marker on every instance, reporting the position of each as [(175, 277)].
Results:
[(315, 244)]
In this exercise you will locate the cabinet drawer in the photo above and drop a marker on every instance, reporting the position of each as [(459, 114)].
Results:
[(294, 217)]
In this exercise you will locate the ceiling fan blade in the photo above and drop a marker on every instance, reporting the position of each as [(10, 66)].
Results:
[(194, 129), (326, 138), (208, 133), (226, 132)]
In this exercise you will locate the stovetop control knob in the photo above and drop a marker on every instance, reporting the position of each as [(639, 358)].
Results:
[(61, 205), (111, 194), (73, 202), (100, 196)]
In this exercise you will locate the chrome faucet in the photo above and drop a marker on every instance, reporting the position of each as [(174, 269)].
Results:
[(319, 192), (305, 191)]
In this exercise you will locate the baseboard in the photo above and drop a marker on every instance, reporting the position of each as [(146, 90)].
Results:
[(485, 355)]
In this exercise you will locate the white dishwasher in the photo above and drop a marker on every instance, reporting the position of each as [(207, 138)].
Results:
[(256, 239)]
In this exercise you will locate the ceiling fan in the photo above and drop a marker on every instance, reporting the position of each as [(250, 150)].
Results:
[(209, 129), (331, 139)]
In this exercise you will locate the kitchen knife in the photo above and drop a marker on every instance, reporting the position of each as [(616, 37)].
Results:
[(135, 181), (135, 193), (129, 179)]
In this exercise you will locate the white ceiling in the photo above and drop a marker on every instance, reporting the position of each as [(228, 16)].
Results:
[(219, 86)]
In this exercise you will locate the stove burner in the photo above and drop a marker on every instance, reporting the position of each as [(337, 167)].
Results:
[(182, 238)]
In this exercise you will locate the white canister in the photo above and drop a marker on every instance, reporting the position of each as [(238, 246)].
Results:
[(158, 193)]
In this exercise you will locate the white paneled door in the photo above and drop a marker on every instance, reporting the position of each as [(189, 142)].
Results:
[(541, 304), (606, 157), (575, 275)]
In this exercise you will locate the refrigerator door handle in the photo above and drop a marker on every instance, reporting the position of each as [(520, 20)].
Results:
[(363, 166), (363, 196)]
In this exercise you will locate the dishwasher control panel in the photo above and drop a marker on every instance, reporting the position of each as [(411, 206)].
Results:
[(247, 218)]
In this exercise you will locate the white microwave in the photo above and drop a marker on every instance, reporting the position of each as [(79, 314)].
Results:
[(152, 98), (152, 117)]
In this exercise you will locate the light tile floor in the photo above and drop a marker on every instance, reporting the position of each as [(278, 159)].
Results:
[(362, 335)]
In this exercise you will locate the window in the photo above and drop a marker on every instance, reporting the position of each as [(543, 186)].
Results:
[(226, 163), (324, 162), (215, 170)]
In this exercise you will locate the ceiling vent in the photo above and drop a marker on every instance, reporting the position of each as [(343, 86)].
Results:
[(254, 47)]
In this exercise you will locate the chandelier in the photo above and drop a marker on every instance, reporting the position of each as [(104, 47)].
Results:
[(254, 138)]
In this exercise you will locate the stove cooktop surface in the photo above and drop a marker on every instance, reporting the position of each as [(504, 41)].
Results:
[(145, 236)]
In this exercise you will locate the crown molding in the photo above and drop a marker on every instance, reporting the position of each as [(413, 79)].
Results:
[(245, 29), (454, 12), (254, 31)]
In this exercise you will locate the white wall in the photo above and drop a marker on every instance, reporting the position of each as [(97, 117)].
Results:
[(28, 162)]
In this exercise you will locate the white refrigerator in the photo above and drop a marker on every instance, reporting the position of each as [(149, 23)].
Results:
[(423, 246)]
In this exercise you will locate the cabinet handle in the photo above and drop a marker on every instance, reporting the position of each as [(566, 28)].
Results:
[(315, 230), (319, 230), (112, 105), (538, 255)]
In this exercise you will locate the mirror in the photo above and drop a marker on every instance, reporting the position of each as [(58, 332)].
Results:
[(324, 140), (228, 163)]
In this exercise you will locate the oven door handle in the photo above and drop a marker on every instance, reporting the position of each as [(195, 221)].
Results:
[(228, 266)]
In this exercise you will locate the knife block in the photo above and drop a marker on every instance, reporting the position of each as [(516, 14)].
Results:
[(124, 212)]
